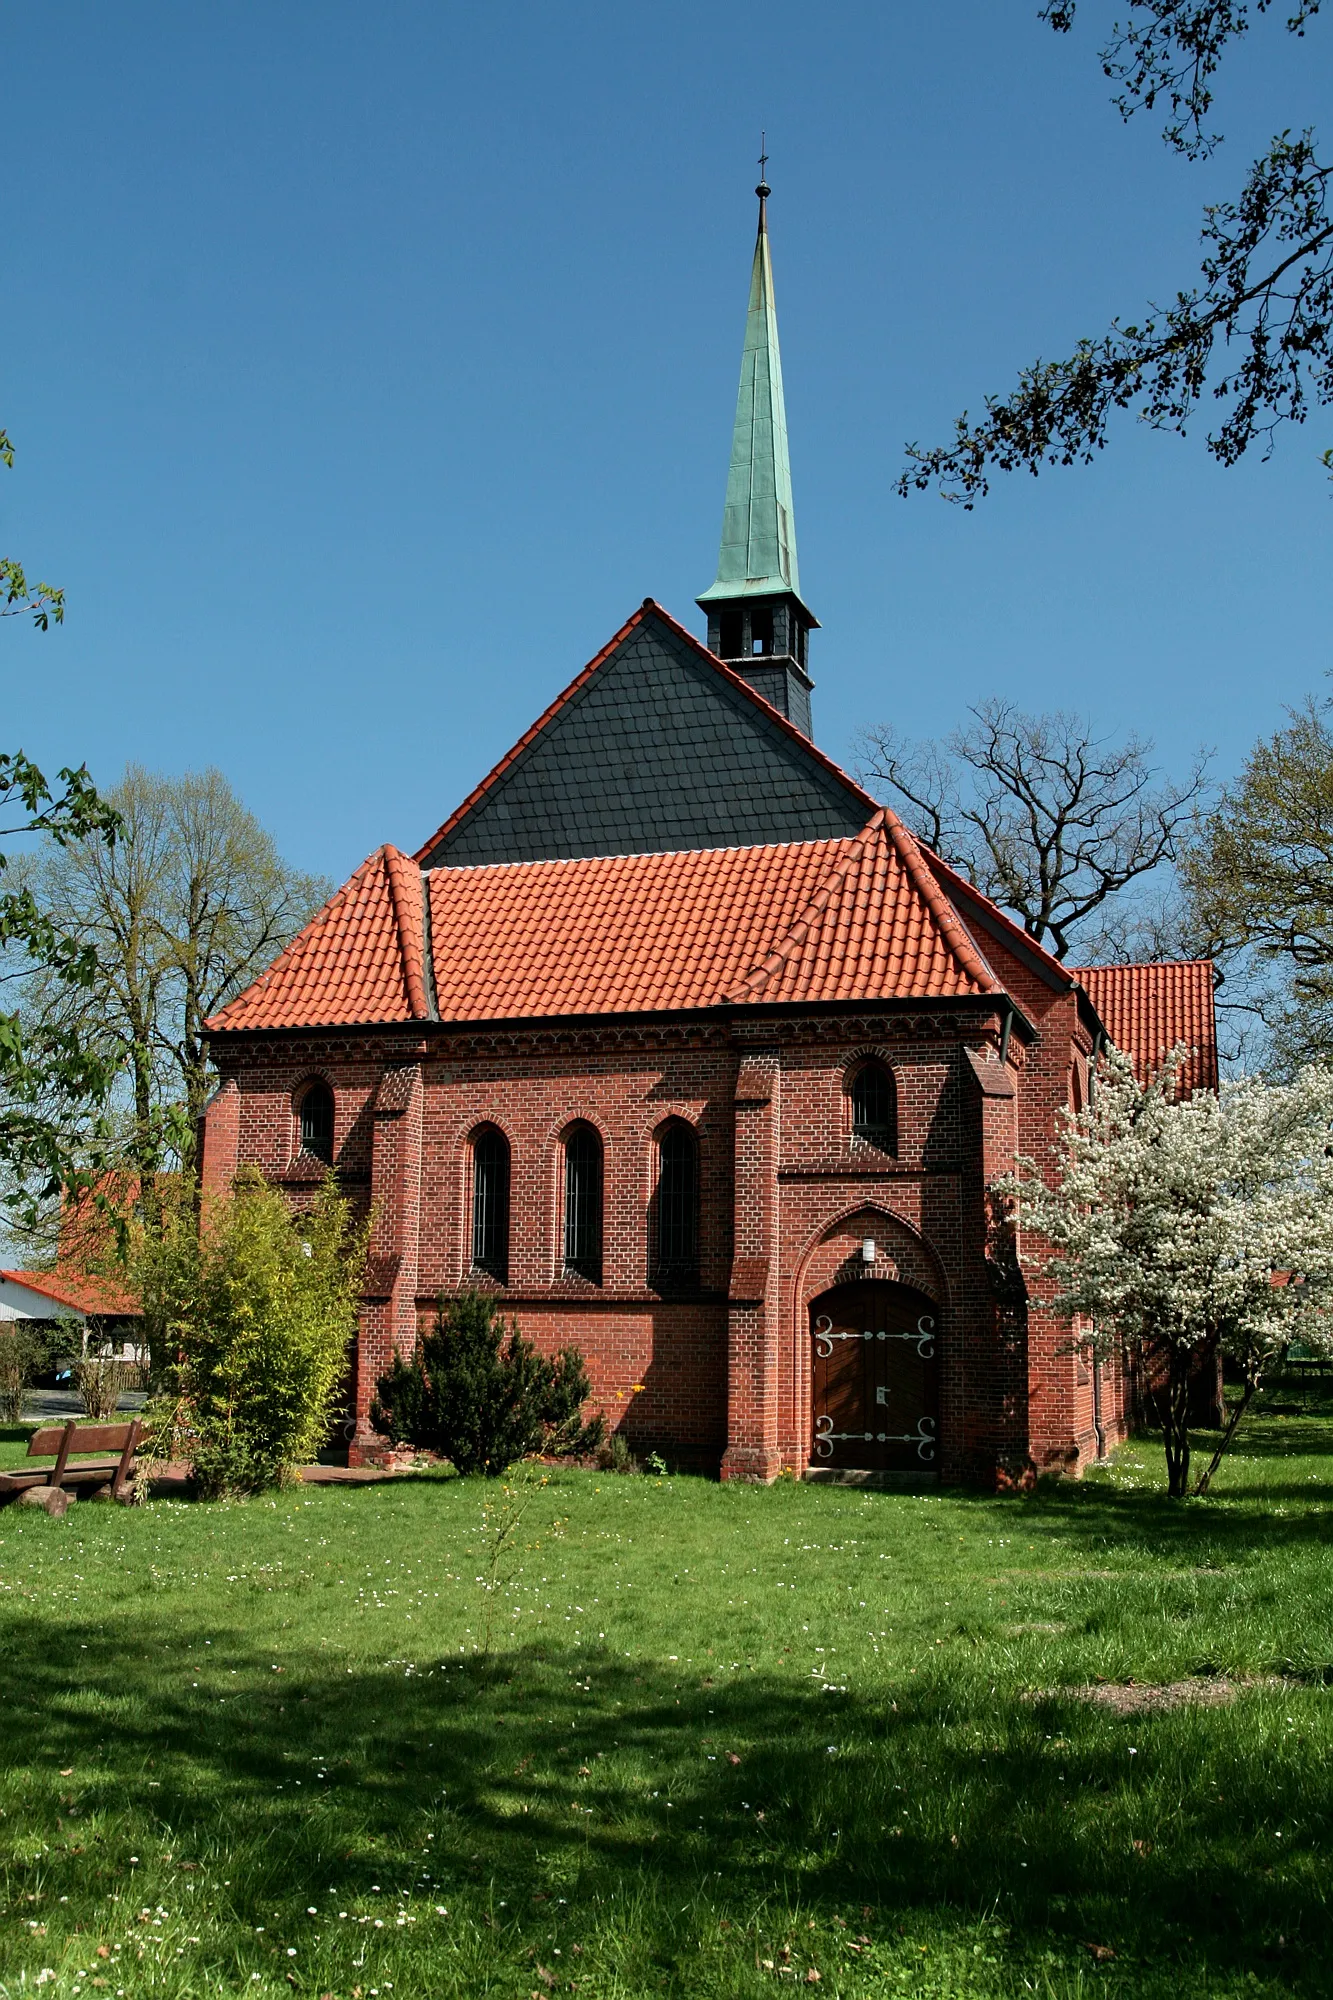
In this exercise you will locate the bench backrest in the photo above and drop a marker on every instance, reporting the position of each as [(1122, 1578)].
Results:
[(82, 1437), (72, 1437)]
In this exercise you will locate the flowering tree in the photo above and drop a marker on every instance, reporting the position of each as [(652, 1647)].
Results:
[(1171, 1222)]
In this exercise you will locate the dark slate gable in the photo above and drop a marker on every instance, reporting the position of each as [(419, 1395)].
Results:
[(657, 749)]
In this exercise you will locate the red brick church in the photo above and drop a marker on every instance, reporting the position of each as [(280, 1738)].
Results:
[(684, 1047)]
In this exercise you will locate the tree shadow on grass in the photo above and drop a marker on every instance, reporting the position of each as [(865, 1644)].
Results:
[(1236, 1522), (541, 1772)]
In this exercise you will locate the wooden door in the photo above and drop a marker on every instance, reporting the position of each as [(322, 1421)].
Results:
[(875, 1374)]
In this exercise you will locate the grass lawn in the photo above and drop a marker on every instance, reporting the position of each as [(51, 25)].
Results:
[(695, 1741)]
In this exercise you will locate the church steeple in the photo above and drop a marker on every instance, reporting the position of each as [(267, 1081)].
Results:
[(757, 621)]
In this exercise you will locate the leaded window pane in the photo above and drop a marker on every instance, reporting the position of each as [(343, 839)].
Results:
[(583, 1202), (490, 1204), (317, 1122), (677, 1202)]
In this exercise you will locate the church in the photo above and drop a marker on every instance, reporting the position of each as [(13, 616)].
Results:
[(676, 1041)]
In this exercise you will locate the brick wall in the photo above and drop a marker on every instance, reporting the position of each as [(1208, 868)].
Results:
[(718, 1377), (1063, 1389)]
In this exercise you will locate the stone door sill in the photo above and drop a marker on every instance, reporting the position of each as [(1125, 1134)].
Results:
[(881, 1482)]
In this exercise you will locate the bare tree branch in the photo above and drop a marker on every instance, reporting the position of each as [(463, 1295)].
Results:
[(1046, 818)]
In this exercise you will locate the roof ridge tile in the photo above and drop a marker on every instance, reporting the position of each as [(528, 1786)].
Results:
[(405, 887), (347, 966), (956, 933)]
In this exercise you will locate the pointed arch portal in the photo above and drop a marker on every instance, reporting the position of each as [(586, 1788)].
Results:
[(875, 1379)]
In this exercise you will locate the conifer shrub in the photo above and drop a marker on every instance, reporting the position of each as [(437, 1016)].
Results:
[(482, 1396), (251, 1316)]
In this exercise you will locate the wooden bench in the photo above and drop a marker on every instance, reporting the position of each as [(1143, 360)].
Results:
[(1302, 1360), (51, 1486)]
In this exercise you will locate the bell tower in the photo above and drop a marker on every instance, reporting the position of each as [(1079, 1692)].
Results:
[(757, 621)]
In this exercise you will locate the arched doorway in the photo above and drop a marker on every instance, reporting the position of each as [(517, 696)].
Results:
[(875, 1377)]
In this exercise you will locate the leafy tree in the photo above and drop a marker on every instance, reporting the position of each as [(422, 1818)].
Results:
[(1167, 1221), (483, 1401), (1043, 816), (49, 1076), (1264, 294), (188, 906), (41, 601), (1259, 880), (249, 1317)]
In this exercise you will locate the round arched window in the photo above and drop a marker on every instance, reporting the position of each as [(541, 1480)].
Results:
[(583, 1201), (317, 1121), (875, 1105), (490, 1202), (676, 1205)]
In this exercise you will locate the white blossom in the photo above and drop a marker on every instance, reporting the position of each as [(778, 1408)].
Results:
[(1169, 1221)]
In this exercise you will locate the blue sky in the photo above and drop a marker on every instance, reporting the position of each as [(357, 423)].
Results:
[(367, 366)]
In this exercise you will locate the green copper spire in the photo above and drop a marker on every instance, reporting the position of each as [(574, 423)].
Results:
[(757, 622), (758, 555)]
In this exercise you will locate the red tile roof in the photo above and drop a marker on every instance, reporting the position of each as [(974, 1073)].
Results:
[(878, 924), (80, 1291), (852, 919), (960, 891), (1148, 1009), (649, 608), (633, 933), (360, 960)]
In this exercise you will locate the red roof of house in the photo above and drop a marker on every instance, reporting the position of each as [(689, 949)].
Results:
[(1149, 1009), (852, 919), (79, 1291)]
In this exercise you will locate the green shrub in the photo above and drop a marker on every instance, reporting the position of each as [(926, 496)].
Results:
[(101, 1380), (250, 1318), (22, 1359), (27, 1349), (482, 1400), (616, 1456)]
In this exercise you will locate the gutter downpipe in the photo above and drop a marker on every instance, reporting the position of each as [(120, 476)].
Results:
[(1098, 1424), (1006, 1031), (1099, 1427), (1098, 1421)]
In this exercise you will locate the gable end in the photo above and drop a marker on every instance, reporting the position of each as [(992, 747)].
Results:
[(655, 748)]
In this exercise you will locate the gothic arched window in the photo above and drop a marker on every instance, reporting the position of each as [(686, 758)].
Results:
[(675, 1248), (583, 1202), (490, 1203), (317, 1121), (875, 1105)]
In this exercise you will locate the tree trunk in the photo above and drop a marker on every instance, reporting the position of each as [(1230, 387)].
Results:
[(145, 1147), (1205, 1477), (194, 1049), (1175, 1424)]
